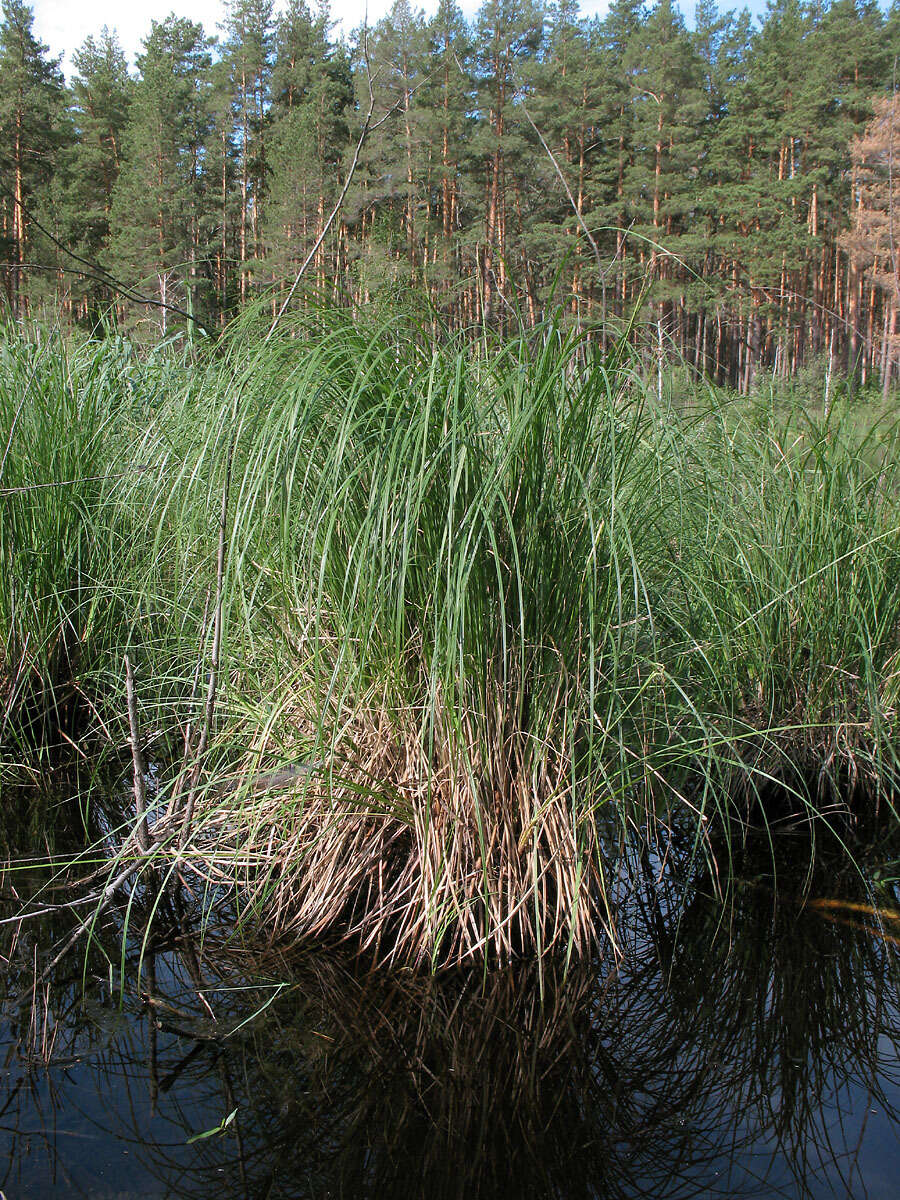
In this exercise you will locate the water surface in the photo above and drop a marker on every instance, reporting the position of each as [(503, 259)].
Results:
[(741, 1049)]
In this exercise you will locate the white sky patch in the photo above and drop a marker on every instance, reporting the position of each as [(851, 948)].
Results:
[(64, 24)]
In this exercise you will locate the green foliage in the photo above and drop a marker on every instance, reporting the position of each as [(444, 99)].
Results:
[(311, 93), (64, 534), (711, 166), (101, 95), (32, 107), (505, 602), (158, 194)]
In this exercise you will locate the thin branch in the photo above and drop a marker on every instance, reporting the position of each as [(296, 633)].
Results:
[(891, 124), (90, 921), (137, 759), (98, 273), (216, 650), (34, 487), (587, 233), (172, 806)]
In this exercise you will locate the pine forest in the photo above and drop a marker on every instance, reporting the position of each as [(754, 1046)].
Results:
[(725, 188)]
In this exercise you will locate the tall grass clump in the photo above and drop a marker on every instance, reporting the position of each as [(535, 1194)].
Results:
[(479, 613), (63, 534), (793, 570), (525, 610), (470, 547)]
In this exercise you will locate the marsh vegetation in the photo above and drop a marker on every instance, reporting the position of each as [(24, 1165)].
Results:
[(424, 635)]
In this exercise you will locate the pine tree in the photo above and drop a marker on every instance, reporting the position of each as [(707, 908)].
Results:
[(446, 120), (854, 59), (613, 37), (396, 155), (712, 164), (101, 93), (248, 48), (508, 36), (722, 43), (873, 242), (222, 207), (566, 95), (32, 107), (159, 199), (311, 92), (670, 110)]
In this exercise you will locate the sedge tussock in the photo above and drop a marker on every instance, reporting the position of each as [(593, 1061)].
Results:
[(400, 849)]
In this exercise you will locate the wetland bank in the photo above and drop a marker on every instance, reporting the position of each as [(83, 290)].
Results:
[(477, 685), (418, 638)]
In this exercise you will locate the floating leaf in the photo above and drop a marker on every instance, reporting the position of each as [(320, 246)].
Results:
[(220, 1128)]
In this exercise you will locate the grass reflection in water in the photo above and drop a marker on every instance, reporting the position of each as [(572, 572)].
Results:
[(750, 1050)]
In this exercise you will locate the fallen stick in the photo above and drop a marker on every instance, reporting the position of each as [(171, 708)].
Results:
[(214, 659), (106, 897)]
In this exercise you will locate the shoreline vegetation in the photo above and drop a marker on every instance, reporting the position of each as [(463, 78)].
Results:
[(407, 643)]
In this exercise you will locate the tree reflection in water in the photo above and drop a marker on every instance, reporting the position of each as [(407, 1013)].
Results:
[(736, 1051)]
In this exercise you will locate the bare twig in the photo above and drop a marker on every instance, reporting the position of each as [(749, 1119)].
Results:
[(49, 909), (88, 923), (894, 265), (172, 806), (216, 650), (56, 483), (572, 201), (137, 759), (98, 273)]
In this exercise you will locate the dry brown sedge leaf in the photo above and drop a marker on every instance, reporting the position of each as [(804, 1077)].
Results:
[(884, 914)]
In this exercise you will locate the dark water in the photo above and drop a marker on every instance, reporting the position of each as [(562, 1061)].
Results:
[(749, 1049)]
